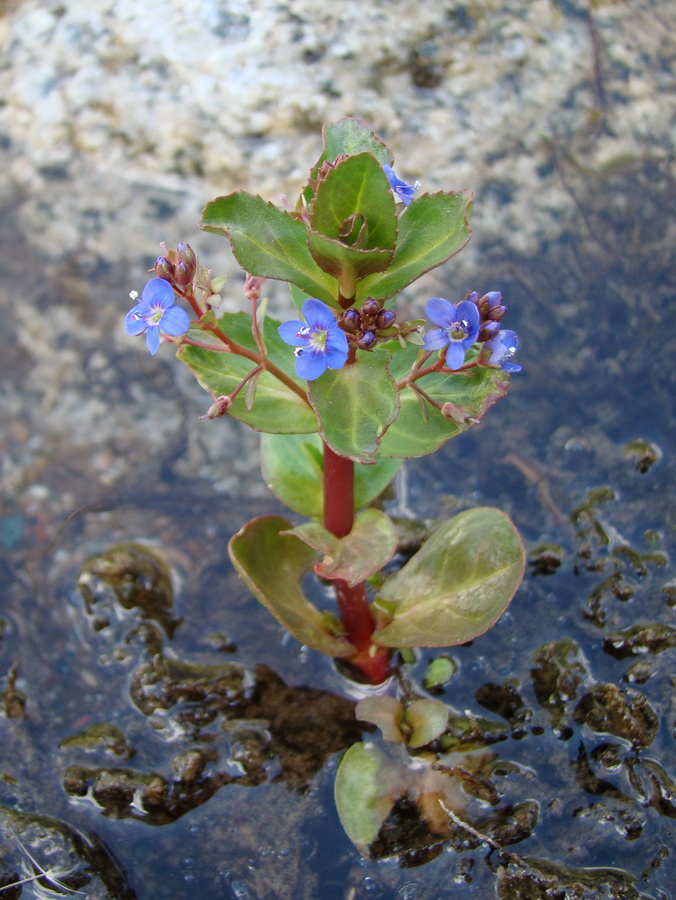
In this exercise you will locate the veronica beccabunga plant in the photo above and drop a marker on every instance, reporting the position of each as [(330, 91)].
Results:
[(344, 393)]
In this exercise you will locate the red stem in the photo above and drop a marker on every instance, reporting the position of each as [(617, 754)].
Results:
[(371, 659), (338, 493)]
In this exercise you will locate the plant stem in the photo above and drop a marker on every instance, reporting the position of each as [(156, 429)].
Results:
[(372, 660), (338, 493)]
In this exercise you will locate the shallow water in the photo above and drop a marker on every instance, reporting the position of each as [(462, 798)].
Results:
[(219, 781)]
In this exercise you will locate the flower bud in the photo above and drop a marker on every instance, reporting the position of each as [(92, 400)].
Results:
[(371, 307), (163, 268), (457, 414), (487, 331), (218, 408), (367, 340), (183, 273), (496, 313), (385, 318), (252, 286), (352, 320)]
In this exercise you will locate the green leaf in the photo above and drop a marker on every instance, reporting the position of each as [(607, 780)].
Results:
[(366, 549), (385, 712), (428, 719), (298, 297), (361, 793), (352, 136), (355, 405), (349, 136), (431, 230), (457, 585), (272, 565), (418, 433), (356, 187), (276, 407), (268, 242), (346, 264), (293, 470)]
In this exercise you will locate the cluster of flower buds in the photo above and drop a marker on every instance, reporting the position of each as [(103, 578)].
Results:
[(364, 326), (177, 266), (491, 313), (182, 269), (499, 345)]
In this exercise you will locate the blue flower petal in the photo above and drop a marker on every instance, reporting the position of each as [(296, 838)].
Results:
[(435, 339), (466, 311), (310, 364), (153, 339), (335, 357), (288, 332), (134, 321), (158, 292), (175, 320), (455, 355), (440, 312), (336, 339), (318, 314), (402, 189)]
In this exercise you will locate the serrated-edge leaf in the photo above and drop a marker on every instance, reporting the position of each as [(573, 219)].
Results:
[(357, 186), (420, 247), (351, 135), (355, 405), (272, 565), (419, 432), (334, 257), (268, 242)]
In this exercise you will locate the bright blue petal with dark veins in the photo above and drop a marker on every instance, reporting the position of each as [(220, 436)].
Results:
[(455, 355), (435, 339), (440, 312), (153, 339), (175, 320), (288, 332), (318, 314), (310, 365), (134, 324), (158, 292)]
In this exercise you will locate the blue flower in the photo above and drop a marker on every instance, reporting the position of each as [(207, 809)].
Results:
[(319, 342), (155, 313), (402, 190), (503, 347), (458, 328)]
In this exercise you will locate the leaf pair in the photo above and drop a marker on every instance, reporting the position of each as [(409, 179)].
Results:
[(450, 592)]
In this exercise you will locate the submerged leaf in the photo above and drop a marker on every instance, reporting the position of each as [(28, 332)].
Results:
[(457, 585), (272, 563)]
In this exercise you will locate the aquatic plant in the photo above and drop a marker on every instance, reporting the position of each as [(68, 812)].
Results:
[(360, 392)]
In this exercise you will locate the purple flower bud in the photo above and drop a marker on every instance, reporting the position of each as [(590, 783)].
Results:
[(183, 273), (163, 268), (371, 307), (367, 340), (352, 320), (385, 318), (487, 331), (496, 313)]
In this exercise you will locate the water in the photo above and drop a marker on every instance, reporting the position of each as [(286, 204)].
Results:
[(102, 446)]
